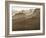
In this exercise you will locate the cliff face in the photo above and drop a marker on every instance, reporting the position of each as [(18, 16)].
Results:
[(21, 22)]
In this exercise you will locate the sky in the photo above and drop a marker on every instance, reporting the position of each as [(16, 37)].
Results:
[(20, 7)]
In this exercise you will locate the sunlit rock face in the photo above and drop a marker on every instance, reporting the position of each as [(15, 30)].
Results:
[(25, 21), (18, 15)]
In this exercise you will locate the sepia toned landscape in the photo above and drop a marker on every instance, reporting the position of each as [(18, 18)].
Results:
[(26, 19)]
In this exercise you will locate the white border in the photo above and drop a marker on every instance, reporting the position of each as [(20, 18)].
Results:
[(30, 31)]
